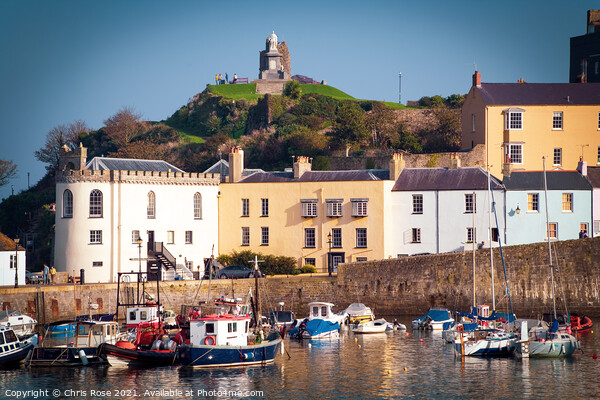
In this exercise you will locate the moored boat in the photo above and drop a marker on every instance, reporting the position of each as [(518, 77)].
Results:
[(358, 312), (436, 319), (580, 324), (225, 341), (13, 349), (20, 323), (543, 342), (376, 326)]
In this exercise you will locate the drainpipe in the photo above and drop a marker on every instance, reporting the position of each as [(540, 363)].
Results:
[(437, 222)]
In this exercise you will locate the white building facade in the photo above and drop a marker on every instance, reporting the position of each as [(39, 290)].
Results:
[(440, 210), (11, 257), (102, 213)]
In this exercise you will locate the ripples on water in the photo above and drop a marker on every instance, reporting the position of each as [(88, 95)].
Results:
[(382, 366)]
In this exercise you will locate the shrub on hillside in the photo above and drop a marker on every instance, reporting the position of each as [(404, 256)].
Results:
[(292, 90), (308, 269)]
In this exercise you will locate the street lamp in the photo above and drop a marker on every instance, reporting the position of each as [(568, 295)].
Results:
[(518, 210), (329, 266), (139, 242), (16, 264)]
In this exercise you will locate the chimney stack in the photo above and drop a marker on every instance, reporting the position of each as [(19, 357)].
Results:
[(582, 167), (301, 165), (477, 79), (397, 164), (236, 164), (454, 161)]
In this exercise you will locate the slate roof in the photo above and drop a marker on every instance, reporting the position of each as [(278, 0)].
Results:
[(220, 167), (540, 93), (319, 176), (129, 164), (593, 175), (557, 180), (7, 244), (424, 179)]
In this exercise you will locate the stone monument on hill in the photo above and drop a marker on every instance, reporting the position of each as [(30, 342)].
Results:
[(273, 74)]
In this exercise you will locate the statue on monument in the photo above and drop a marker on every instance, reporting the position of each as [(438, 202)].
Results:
[(273, 42)]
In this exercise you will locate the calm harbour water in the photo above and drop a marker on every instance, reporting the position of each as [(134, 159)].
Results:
[(383, 366)]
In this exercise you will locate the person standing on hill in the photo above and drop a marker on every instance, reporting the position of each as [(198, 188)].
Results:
[(216, 79), (226, 78), (45, 271)]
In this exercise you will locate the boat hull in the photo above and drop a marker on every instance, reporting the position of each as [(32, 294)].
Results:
[(548, 348), (15, 356), (206, 356), (148, 358), (485, 347), (65, 357)]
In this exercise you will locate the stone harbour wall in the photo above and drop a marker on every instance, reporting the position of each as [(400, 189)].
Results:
[(401, 286)]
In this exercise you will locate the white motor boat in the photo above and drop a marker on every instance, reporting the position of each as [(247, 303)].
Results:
[(376, 326), (20, 323)]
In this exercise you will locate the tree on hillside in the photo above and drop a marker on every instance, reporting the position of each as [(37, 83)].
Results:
[(292, 90), (305, 142), (8, 170), (142, 150), (56, 138), (350, 128), (124, 126), (383, 126)]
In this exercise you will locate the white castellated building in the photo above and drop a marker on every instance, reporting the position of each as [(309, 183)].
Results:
[(109, 211)]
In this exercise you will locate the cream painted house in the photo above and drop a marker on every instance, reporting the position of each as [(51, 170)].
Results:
[(321, 218), (124, 215), (519, 123)]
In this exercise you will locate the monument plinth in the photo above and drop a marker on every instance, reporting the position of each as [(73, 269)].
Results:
[(272, 76)]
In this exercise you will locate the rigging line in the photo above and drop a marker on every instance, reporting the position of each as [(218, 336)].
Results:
[(501, 254)]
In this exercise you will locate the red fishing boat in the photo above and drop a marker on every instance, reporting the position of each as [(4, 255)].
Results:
[(580, 324)]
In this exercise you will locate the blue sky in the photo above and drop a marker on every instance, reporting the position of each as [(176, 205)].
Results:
[(82, 59)]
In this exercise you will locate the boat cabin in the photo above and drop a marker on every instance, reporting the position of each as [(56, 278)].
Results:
[(321, 310), (221, 330), (81, 334), (140, 314), (483, 311), (8, 340), (20, 323)]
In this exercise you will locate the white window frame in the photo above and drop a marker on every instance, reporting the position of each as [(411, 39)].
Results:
[(359, 207), (67, 204), (96, 208), (417, 204), (533, 202), (598, 162), (170, 237), (557, 156), (264, 207), (361, 238), (189, 237), (567, 203), (513, 121), (135, 235), (245, 207), (416, 235), (557, 121), (310, 238), (334, 208), (310, 261), (599, 121), (555, 224), (197, 205), (13, 261), (151, 208), (309, 208), (471, 234), (470, 203), (245, 236), (509, 152), (95, 236), (264, 236)]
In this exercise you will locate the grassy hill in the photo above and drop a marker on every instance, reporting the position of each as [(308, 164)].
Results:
[(248, 91)]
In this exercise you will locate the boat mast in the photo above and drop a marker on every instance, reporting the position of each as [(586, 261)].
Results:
[(210, 272), (548, 235), (473, 241), (490, 235)]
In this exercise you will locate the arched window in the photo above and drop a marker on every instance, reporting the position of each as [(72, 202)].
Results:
[(151, 205), (95, 204), (197, 206), (67, 204)]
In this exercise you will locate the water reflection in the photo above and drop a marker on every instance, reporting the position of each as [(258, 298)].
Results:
[(392, 365)]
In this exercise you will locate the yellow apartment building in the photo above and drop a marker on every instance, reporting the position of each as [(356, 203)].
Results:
[(321, 218), (519, 123)]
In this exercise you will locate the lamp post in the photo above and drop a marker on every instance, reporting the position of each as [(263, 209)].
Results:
[(518, 210), (329, 266), (16, 263), (139, 242)]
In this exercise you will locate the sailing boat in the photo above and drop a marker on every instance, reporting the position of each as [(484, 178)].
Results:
[(484, 341), (540, 341)]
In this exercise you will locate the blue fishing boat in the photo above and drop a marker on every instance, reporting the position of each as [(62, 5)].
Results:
[(436, 319), (316, 329), (225, 341)]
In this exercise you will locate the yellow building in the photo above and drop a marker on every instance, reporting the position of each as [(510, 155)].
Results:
[(519, 123), (321, 218)]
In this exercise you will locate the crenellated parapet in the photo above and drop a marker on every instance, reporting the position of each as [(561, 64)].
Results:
[(139, 177)]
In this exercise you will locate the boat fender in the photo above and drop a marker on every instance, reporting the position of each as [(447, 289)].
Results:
[(157, 345), (281, 349), (248, 356), (83, 357), (210, 339)]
